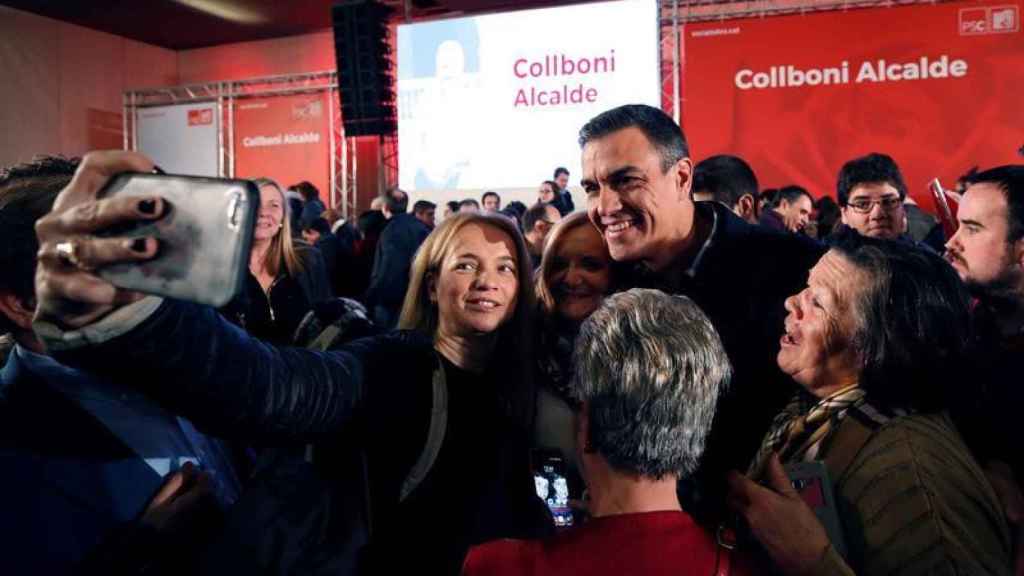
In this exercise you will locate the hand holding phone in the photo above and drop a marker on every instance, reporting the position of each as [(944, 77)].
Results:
[(204, 234)]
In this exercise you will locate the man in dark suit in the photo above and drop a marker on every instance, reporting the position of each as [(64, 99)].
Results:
[(92, 473)]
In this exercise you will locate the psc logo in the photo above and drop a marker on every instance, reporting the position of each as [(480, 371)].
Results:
[(990, 20)]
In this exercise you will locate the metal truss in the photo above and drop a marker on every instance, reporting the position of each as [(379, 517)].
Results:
[(708, 10), (343, 163)]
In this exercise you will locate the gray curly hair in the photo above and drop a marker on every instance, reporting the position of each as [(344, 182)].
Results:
[(651, 368)]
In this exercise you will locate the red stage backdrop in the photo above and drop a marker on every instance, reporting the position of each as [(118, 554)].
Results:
[(285, 138), (938, 87)]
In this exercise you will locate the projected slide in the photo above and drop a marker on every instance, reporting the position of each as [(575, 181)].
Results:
[(497, 101)]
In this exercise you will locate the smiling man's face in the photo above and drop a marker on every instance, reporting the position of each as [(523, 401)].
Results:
[(639, 208)]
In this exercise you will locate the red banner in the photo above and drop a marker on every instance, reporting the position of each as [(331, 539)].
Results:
[(286, 138), (937, 87)]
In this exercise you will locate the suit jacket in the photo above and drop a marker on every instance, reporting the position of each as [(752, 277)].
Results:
[(57, 460)]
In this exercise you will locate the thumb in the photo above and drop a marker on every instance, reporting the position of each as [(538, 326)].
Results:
[(777, 478)]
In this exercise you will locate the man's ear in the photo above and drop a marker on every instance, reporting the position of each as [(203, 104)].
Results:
[(684, 178), (1018, 252), (842, 215), (747, 207), (16, 310)]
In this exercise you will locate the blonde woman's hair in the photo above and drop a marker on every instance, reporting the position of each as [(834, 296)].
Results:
[(282, 250), (545, 297), (515, 338)]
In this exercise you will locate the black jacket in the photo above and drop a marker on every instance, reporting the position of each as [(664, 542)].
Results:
[(741, 282), (395, 250), (367, 407)]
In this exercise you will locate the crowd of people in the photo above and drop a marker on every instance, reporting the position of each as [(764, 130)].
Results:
[(736, 380)]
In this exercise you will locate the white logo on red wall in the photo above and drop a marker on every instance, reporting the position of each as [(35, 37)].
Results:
[(990, 20), (314, 109), (200, 117)]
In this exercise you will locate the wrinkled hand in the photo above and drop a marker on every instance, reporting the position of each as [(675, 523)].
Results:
[(69, 293), (177, 500), (780, 520)]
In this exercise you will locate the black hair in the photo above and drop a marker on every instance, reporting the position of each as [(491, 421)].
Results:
[(727, 178), (791, 194), (663, 133), (453, 205), (828, 215), (769, 195), (308, 191), (914, 329), (560, 170), (320, 225), (397, 205), (469, 202), (869, 169), (27, 192), (423, 206), (490, 193), (1009, 179), (534, 214)]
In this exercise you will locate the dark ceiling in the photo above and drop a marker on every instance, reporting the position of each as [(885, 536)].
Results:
[(185, 24)]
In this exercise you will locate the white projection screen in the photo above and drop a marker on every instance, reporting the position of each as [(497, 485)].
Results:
[(496, 101), (180, 138)]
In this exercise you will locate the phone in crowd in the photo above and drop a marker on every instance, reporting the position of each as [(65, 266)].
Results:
[(949, 223), (205, 236), (552, 484), (811, 480)]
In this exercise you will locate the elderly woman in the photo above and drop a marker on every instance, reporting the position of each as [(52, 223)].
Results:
[(424, 430), (879, 332), (650, 368)]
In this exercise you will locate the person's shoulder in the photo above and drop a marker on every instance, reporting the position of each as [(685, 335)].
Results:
[(501, 557)]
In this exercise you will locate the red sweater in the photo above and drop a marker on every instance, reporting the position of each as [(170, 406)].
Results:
[(645, 544)]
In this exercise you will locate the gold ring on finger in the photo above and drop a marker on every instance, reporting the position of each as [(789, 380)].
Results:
[(67, 252)]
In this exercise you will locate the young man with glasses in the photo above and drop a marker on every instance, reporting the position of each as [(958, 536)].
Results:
[(870, 193)]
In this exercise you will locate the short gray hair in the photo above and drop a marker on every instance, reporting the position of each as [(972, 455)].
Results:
[(651, 367)]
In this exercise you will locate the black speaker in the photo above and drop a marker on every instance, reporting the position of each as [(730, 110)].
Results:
[(364, 63)]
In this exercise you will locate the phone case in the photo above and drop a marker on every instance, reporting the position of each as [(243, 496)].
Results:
[(811, 480), (205, 236)]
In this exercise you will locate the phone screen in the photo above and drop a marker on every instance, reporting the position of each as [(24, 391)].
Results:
[(553, 488)]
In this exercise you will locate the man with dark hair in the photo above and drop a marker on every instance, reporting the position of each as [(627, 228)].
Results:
[(537, 222), (563, 198), (729, 180), (469, 205), (312, 207), (637, 175), (396, 201), (791, 212), (425, 211), (870, 191), (492, 202), (318, 234), (82, 457), (394, 253), (988, 253)]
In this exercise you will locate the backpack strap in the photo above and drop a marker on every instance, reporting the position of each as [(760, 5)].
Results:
[(435, 434)]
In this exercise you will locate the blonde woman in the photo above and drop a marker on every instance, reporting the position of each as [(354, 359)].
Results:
[(286, 277), (575, 275), (369, 403)]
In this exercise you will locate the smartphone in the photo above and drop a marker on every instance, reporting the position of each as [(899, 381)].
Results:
[(945, 214), (552, 485), (811, 480), (205, 236)]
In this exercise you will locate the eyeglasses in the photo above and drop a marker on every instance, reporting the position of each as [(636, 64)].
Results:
[(864, 205)]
